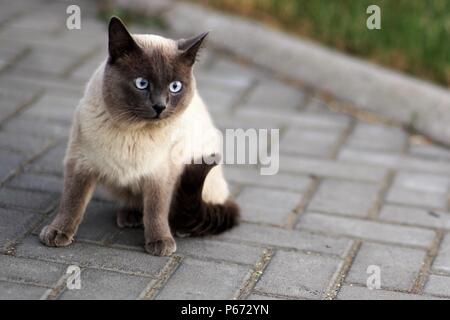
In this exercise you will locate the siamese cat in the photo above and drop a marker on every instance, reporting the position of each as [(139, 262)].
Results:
[(122, 135)]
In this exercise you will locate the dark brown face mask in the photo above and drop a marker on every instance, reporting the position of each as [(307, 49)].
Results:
[(145, 83)]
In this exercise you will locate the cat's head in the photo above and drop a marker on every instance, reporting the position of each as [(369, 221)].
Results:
[(147, 77)]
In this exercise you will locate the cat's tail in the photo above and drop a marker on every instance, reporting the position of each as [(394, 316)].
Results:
[(193, 216)]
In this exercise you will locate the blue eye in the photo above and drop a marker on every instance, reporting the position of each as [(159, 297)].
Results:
[(175, 86), (141, 83)]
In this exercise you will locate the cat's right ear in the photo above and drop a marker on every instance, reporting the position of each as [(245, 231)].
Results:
[(120, 41)]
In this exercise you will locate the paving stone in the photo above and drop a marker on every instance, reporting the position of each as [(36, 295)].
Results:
[(266, 205), (14, 224), (105, 285), (219, 101), (310, 142), (30, 271), (24, 144), (366, 229), (349, 292), (280, 180), (419, 189), (10, 51), (377, 137), (42, 82), (416, 198), (235, 83), (37, 127), (344, 197), (399, 266), (220, 93), (36, 201), (12, 100), (438, 285), (393, 161), (255, 296), (232, 70), (273, 95), (31, 181), (52, 108), (195, 279), (82, 254), (51, 162), (331, 169), (18, 291), (422, 182), (40, 20), (415, 216), (53, 62), (442, 261), (9, 162), (83, 72), (294, 274), (301, 240), (298, 119), (232, 252), (429, 151), (256, 121)]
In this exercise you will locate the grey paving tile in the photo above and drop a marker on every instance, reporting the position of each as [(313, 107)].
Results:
[(399, 266), (438, 285), (349, 292), (294, 274), (196, 279), (366, 229), (14, 224), (280, 180), (266, 205), (30, 271), (31, 200), (106, 285), (344, 197), (271, 236), (442, 260), (19, 291), (415, 216)]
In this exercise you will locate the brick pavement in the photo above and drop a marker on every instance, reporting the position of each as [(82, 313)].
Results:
[(349, 194)]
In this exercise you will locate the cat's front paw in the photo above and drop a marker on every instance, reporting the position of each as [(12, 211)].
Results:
[(52, 237), (162, 247)]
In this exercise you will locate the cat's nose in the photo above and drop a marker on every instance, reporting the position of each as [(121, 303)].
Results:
[(158, 108)]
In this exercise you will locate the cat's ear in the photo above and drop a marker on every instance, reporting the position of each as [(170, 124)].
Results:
[(189, 48), (120, 40)]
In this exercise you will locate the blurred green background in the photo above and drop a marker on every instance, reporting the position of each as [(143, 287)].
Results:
[(415, 34)]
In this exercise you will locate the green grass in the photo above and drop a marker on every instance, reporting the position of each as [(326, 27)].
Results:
[(415, 34)]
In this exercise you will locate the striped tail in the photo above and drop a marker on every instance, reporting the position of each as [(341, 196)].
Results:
[(195, 217)]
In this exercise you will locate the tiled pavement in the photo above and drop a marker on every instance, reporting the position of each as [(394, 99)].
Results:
[(349, 194)]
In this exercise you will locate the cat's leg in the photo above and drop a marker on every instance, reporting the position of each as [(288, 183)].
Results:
[(129, 217), (79, 185), (157, 200)]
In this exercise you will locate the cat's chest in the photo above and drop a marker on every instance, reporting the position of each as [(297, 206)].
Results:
[(126, 158)]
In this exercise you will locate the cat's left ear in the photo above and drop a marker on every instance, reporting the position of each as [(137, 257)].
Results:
[(120, 41), (189, 48)]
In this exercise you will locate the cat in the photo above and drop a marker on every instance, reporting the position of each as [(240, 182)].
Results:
[(121, 137)]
